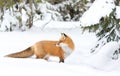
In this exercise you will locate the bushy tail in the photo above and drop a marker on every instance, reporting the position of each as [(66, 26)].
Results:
[(23, 54)]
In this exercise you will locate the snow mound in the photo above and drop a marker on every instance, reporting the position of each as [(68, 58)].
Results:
[(94, 14), (105, 58)]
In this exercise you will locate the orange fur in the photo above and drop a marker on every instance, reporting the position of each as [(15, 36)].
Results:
[(44, 49)]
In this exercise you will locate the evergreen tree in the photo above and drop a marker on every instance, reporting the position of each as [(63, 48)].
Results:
[(108, 29), (73, 10), (32, 10), (64, 10), (14, 10)]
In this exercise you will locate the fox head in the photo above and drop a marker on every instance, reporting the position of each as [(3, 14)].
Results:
[(62, 38), (65, 40)]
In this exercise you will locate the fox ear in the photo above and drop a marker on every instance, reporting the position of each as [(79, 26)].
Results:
[(64, 34)]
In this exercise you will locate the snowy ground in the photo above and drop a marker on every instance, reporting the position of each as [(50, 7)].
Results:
[(80, 63)]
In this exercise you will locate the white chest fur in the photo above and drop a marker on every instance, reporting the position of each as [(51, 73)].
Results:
[(66, 49)]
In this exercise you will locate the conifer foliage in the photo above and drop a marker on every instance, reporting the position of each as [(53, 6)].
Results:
[(21, 14), (108, 29)]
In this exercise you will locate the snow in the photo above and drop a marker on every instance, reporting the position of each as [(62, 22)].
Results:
[(99, 9), (117, 11), (104, 58), (80, 62), (49, 24), (8, 20), (47, 14)]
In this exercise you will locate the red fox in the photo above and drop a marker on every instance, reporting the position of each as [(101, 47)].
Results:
[(43, 49)]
